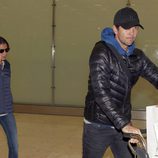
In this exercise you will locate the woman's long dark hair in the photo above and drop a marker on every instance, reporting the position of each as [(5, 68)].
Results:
[(4, 41)]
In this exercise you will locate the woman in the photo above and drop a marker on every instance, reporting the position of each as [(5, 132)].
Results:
[(7, 119)]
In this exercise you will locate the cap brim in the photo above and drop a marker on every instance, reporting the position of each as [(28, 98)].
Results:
[(129, 25)]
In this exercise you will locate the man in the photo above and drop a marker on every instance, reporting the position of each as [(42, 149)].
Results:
[(7, 120), (115, 66)]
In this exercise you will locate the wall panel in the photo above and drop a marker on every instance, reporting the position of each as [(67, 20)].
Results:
[(28, 27)]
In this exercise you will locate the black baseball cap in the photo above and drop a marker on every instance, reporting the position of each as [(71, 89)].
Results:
[(127, 18)]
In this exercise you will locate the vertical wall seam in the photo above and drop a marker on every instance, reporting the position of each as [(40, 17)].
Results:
[(53, 51)]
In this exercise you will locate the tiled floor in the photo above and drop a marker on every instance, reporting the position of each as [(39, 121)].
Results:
[(49, 136)]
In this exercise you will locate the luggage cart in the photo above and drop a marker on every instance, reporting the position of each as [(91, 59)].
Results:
[(139, 150)]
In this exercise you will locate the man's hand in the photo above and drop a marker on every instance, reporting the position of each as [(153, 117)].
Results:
[(131, 129)]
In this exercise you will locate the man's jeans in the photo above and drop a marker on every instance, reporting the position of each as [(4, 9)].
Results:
[(9, 126), (98, 137)]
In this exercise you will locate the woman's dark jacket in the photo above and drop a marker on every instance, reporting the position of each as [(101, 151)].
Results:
[(5, 92), (109, 85)]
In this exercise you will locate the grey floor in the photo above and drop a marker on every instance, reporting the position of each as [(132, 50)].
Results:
[(49, 136)]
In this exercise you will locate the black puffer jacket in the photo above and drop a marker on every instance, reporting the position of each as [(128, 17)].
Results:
[(109, 86)]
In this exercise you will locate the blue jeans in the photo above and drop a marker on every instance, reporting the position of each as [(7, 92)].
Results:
[(98, 137), (9, 126)]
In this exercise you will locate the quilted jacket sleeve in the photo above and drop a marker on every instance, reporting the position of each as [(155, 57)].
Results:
[(149, 71)]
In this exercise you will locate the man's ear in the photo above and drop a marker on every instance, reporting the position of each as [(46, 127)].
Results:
[(115, 29)]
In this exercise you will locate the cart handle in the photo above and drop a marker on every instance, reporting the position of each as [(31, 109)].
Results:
[(140, 138)]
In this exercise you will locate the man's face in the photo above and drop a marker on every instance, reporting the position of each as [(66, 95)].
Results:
[(126, 37), (3, 50)]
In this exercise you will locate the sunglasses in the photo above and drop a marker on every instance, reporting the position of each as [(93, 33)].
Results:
[(2, 50)]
